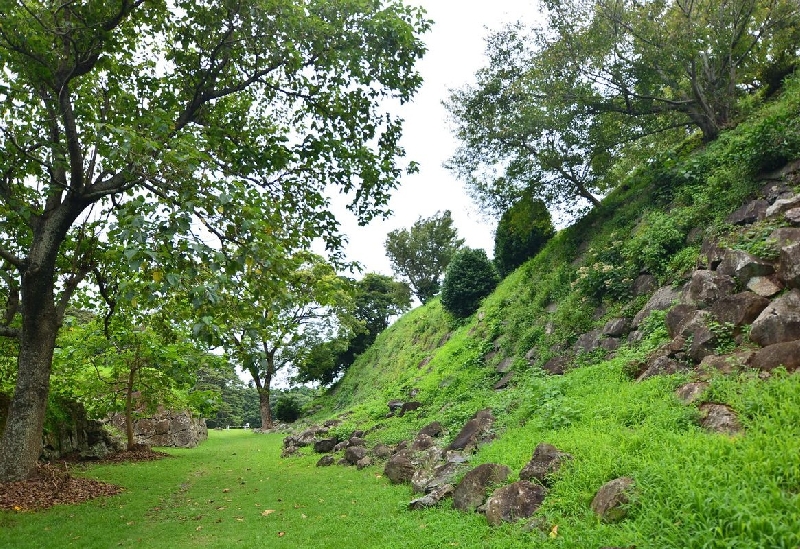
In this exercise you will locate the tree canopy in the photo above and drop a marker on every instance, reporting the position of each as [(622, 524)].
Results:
[(167, 130), (421, 253)]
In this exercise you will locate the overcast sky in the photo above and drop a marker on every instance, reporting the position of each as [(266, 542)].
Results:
[(455, 53)]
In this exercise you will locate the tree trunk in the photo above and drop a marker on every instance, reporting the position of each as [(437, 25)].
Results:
[(129, 409), (264, 407), (21, 443)]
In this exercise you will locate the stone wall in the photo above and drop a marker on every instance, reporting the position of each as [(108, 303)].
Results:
[(166, 428)]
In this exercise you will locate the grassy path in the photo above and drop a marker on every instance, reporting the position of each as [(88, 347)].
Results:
[(235, 491)]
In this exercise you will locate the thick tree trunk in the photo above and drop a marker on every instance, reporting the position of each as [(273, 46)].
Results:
[(21, 443), (264, 407)]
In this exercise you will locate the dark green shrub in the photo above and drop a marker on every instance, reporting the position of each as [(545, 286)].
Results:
[(469, 278), (287, 408), (523, 230)]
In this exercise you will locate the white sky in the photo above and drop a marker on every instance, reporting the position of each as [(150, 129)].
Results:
[(455, 53)]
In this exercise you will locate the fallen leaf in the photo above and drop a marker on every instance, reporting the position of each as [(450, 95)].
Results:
[(281, 534), (226, 490), (554, 532), (303, 515), (199, 528), (267, 512)]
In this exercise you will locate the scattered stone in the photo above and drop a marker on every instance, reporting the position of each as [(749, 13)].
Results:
[(546, 461), (431, 499), (556, 365), (785, 236), (726, 364), (661, 300), (325, 461), (765, 286), (516, 501), (505, 365), (739, 309), (394, 405), (588, 342), (661, 365), (610, 344), (677, 317), (719, 418), (475, 431), (341, 446), (471, 491), (779, 322), (789, 265), (433, 429), (364, 462), (325, 445), (504, 381), (422, 442), (429, 479), (707, 286), (690, 392), (616, 327), (381, 451), (356, 441), (353, 454), (785, 354), (610, 502), (711, 254), (793, 216), (749, 213), (644, 284), (743, 266), (400, 467), (409, 407)]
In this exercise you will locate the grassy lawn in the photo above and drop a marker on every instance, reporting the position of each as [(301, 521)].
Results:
[(235, 491)]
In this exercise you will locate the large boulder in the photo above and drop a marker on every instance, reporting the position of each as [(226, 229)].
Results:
[(610, 502), (546, 461), (471, 491), (325, 445), (706, 287), (751, 212), (739, 309), (400, 468), (743, 266), (474, 432), (432, 498), (354, 454), (780, 354), (779, 322), (431, 478), (719, 418), (433, 429), (789, 265), (765, 286), (513, 502), (662, 299)]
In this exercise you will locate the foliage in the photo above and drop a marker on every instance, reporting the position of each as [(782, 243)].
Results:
[(421, 253), (522, 231), (470, 277)]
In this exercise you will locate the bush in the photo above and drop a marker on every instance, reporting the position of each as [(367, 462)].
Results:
[(287, 408), (469, 278), (523, 230)]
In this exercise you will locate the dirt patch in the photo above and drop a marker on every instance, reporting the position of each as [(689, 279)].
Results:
[(52, 484)]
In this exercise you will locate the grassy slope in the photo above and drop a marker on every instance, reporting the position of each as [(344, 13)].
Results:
[(695, 489)]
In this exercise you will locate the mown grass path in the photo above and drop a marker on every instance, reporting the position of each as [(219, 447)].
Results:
[(235, 491)]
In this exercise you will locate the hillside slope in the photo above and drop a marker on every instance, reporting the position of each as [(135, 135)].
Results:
[(565, 352)]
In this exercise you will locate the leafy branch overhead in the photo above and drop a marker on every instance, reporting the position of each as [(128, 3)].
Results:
[(557, 105)]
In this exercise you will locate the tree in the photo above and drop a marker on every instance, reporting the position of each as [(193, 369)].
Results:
[(421, 254), (267, 327), (523, 230), (470, 277), (234, 116), (555, 105), (376, 299)]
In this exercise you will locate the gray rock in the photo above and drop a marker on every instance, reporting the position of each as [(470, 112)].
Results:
[(422, 442), (661, 365), (353, 454), (505, 365), (519, 500), (610, 502), (475, 431), (363, 463), (765, 286), (409, 407), (719, 418), (749, 213), (644, 284), (785, 236), (504, 381), (325, 461), (677, 317), (743, 266), (431, 499), (546, 461), (616, 327), (711, 254), (789, 265), (663, 299), (588, 342), (400, 467), (428, 479), (785, 354), (394, 405), (689, 392), (707, 286), (381, 451), (472, 490), (433, 429), (779, 322), (793, 216), (739, 309), (556, 365), (783, 205), (726, 364), (325, 445)]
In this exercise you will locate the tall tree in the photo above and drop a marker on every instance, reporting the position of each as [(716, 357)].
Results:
[(165, 116), (522, 231), (421, 254)]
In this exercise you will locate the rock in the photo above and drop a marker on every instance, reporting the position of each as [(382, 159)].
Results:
[(471, 491), (785, 236), (789, 265), (409, 407), (739, 309), (354, 453), (663, 299), (677, 317), (711, 254), (610, 502), (743, 266), (546, 461), (706, 287), (749, 213), (765, 286), (661, 365), (785, 354), (588, 342), (610, 344), (783, 205), (616, 327), (516, 501), (364, 462), (422, 442), (400, 467), (556, 365), (779, 322), (719, 418), (726, 364), (531, 355), (644, 284), (429, 479), (381, 451), (433, 429), (341, 446), (356, 441), (504, 381), (793, 216), (693, 327), (290, 450), (776, 190), (325, 461), (505, 365), (167, 428), (431, 499), (690, 392), (394, 405), (475, 431), (325, 445)]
